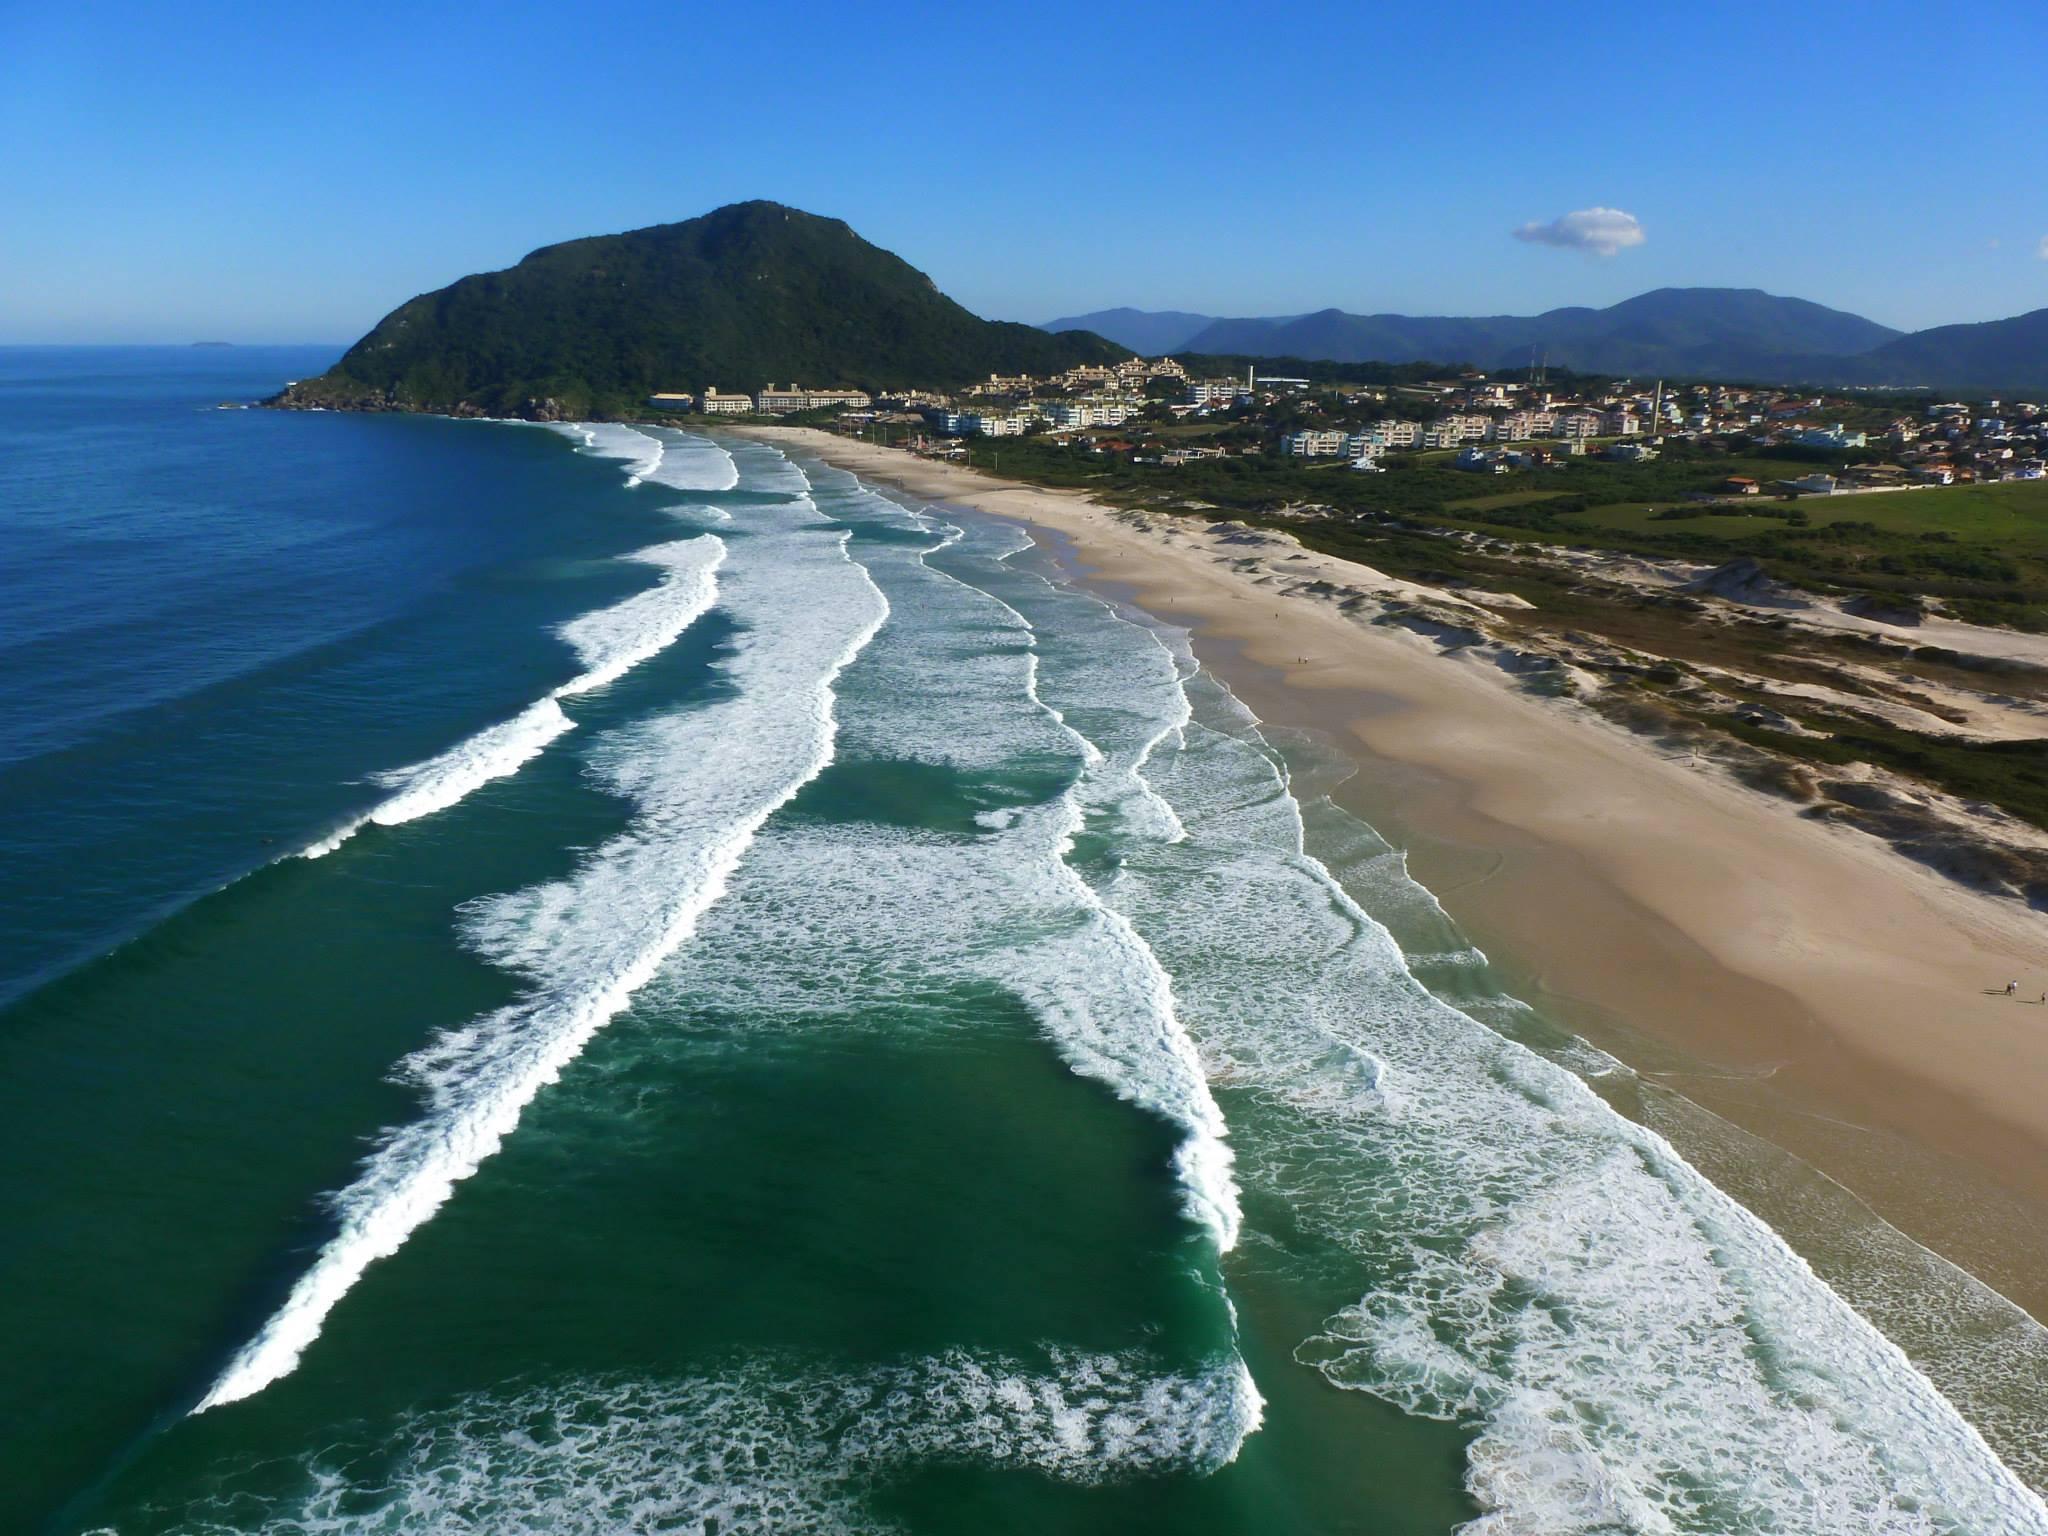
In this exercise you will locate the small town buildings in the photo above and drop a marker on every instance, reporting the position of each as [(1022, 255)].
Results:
[(718, 403), (666, 400), (1836, 436)]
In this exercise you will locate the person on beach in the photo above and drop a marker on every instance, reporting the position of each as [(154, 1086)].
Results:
[(2012, 989)]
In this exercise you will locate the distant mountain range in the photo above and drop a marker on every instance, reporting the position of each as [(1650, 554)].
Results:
[(756, 292), (1731, 333), (745, 295)]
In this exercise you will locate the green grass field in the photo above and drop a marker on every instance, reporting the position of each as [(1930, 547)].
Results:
[(1506, 499), (2011, 515)]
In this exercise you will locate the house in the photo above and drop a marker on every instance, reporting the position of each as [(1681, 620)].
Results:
[(1811, 485), (1479, 462), (1630, 453), (1935, 474), (1739, 485)]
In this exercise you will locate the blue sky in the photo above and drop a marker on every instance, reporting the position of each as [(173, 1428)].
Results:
[(271, 172)]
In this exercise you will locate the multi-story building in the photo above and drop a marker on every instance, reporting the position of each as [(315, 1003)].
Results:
[(1454, 431), (1217, 391), (668, 400), (1315, 445), (1086, 376), (1089, 413), (1395, 434), (1136, 370), (994, 426), (780, 402), (1621, 423), (1520, 426), (718, 403), (1578, 423)]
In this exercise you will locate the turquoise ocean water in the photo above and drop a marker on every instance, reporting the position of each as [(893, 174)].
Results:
[(591, 980)]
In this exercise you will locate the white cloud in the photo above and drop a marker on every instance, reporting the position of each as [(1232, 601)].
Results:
[(1599, 231)]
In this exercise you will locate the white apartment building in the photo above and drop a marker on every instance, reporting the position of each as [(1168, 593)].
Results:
[(718, 403), (1216, 391), (1455, 431), (1089, 413), (1578, 423), (1621, 423), (795, 397), (1520, 426), (1315, 445), (994, 426), (1395, 434)]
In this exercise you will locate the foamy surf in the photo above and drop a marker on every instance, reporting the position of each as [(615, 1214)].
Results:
[(680, 461), (768, 1444), (640, 452), (1095, 987), (703, 782), (609, 642), (1632, 1349)]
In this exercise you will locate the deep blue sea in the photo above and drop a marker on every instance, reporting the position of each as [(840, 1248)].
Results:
[(591, 979)]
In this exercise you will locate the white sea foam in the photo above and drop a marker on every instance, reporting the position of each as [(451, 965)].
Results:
[(440, 782), (612, 641), (640, 452), (1031, 924), (609, 642), (1632, 1350), (692, 463), (768, 1445), (703, 781), (663, 456)]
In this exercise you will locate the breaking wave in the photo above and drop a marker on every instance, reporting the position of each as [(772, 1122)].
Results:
[(609, 643), (703, 781)]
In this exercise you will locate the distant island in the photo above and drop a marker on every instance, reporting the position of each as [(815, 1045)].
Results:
[(213, 343), (749, 293)]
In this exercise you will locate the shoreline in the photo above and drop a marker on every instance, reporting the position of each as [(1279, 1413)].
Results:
[(1804, 983)]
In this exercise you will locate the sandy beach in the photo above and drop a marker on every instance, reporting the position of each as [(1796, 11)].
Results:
[(1802, 981)]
